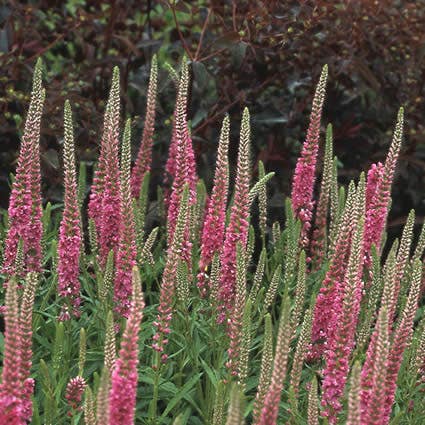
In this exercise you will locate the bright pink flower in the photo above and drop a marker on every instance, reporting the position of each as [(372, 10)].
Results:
[(74, 392), (304, 177), (215, 219), (185, 166), (329, 299), (169, 277), (144, 157), (376, 214), (127, 251), (105, 197), (237, 230), (70, 239), (341, 343), (25, 200), (11, 386), (181, 165), (122, 396), (374, 176)]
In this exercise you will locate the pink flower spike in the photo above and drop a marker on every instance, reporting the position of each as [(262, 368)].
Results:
[(70, 238), (74, 392), (341, 341), (122, 396), (374, 176), (11, 387), (127, 252), (184, 159), (214, 223), (328, 300), (304, 177), (144, 157), (25, 200), (376, 214), (237, 230), (169, 276), (105, 199)]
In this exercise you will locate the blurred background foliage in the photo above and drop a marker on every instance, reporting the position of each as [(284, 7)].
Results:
[(264, 54)]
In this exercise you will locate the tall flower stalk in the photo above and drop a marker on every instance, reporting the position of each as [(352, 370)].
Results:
[(237, 230), (330, 292), (11, 386), (144, 156), (25, 208), (127, 251), (169, 279), (184, 168), (270, 409), (122, 396), (70, 238), (304, 177), (377, 212), (215, 219), (105, 197), (341, 342)]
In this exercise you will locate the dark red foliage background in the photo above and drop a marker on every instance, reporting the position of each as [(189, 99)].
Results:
[(263, 54)]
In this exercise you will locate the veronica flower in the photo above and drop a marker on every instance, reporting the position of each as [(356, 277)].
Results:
[(304, 177), (25, 200), (144, 157), (25, 331), (105, 197), (330, 294), (270, 410), (374, 413), (376, 214), (169, 278), (11, 386), (70, 238), (74, 392), (318, 243), (183, 155), (341, 342), (127, 251), (237, 230), (401, 340), (122, 396), (215, 218)]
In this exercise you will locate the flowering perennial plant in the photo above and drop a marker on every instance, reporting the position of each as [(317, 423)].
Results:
[(70, 238), (234, 309)]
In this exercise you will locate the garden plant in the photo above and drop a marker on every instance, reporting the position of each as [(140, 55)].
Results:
[(182, 304)]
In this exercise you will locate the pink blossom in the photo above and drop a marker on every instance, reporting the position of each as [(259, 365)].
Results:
[(74, 392), (70, 239), (237, 230), (122, 396), (341, 343), (215, 218), (144, 157), (105, 197), (304, 177), (376, 214), (25, 200), (127, 252)]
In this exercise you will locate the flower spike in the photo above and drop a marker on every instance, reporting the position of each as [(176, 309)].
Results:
[(122, 396), (70, 238), (304, 177), (144, 157), (237, 231), (215, 219), (25, 200), (127, 251)]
